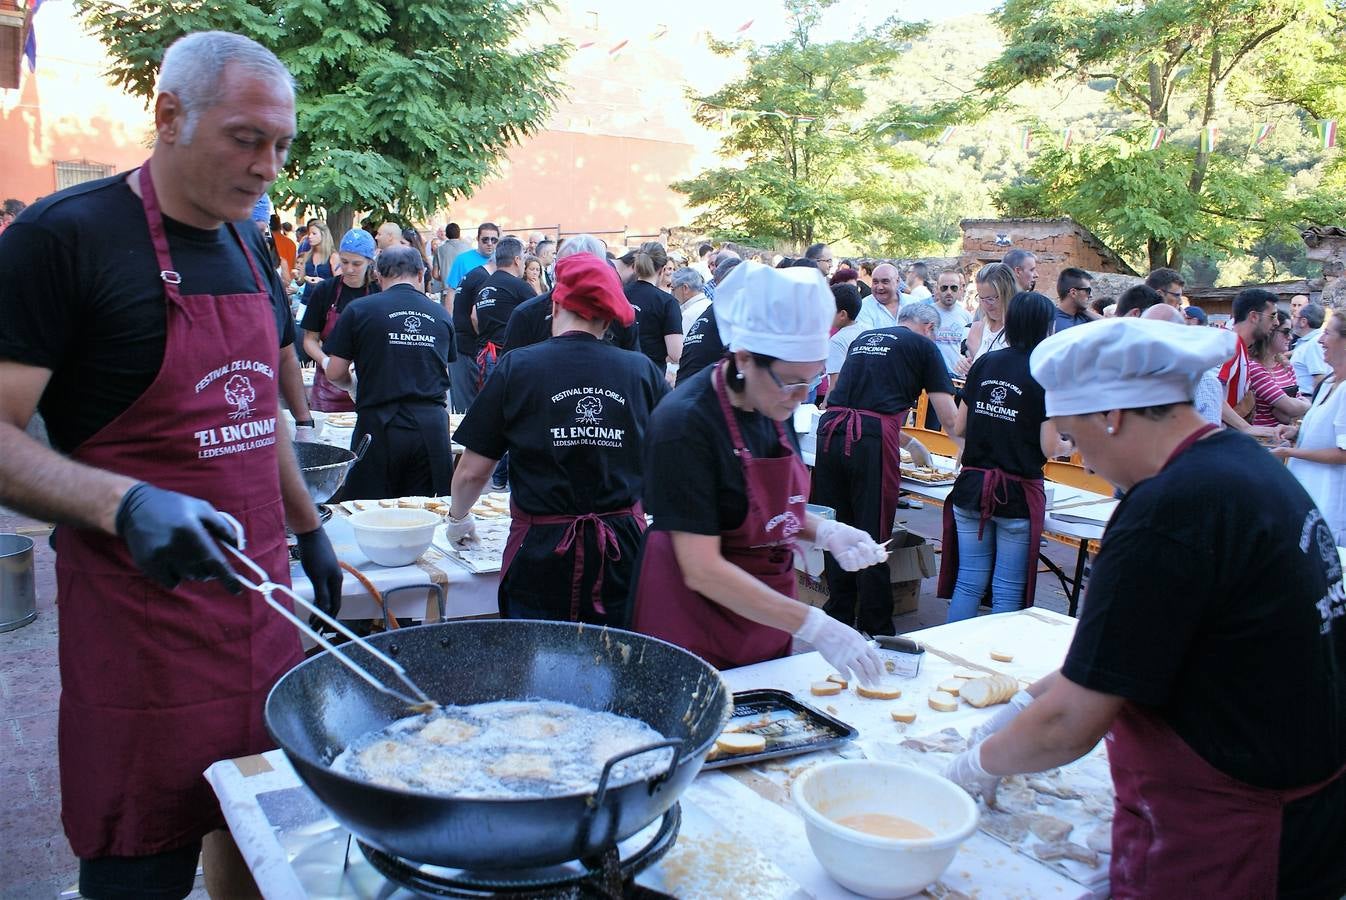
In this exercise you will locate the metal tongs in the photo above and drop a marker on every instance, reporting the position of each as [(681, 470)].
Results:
[(416, 699)]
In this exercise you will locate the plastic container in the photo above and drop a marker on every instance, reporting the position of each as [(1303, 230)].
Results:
[(878, 866), (18, 597), (808, 558)]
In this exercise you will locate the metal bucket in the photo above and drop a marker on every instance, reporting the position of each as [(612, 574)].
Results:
[(18, 599)]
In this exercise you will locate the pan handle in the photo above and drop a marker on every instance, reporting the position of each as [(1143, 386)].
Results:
[(675, 743), (362, 447)]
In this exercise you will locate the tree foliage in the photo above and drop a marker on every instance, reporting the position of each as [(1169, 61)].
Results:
[(795, 171), (1189, 63), (402, 105)]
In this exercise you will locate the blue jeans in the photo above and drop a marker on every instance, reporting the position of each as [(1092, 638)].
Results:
[(999, 558)]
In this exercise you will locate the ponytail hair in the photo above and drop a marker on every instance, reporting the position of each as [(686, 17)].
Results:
[(650, 260)]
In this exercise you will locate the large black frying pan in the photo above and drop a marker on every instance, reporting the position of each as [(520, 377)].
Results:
[(324, 466), (319, 707)]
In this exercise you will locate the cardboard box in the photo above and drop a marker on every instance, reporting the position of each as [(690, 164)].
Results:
[(906, 597), (812, 590), (910, 557)]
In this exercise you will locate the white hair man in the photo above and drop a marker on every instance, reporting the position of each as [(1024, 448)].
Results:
[(161, 402)]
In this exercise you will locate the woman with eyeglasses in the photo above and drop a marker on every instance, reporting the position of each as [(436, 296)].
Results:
[(727, 489), (996, 284), (993, 518), (859, 440), (1272, 380)]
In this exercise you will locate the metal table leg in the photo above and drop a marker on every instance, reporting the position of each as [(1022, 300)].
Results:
[(1080, 561)]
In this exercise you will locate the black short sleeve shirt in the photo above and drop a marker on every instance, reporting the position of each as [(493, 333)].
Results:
[(1217, 602), (496, 299), (657, 315), (1005, 412), (886, 370), (573, 412), (693, 480), (401, 343), (320, 303), (80, 294), (701, 348)]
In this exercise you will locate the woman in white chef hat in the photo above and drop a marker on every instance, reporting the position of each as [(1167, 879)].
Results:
[(726, 487), (1212, 645)]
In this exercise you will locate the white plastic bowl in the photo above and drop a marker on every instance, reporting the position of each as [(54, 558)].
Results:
[(394, 537), (876, 866)]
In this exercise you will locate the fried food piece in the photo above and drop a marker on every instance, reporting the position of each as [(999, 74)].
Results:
[(447, 731), (381, 756), (522, 765), (535, 726), (1066, 850)]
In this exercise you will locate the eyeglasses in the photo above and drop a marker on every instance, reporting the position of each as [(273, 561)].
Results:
[(793, 386), (1176, 295), (489, 240), (951, 288), (1083, 290)]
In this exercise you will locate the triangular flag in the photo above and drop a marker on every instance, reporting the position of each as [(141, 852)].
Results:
[(1157, 137), (659, 32), (946, 134), (745, 26), (586, 45), (617, 48), (1025, 138), (1067, 137), (1327, 133), (1209, 135), (30, 42)]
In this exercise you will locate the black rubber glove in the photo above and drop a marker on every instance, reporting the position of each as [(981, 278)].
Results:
[(173, 537), (320, 565)]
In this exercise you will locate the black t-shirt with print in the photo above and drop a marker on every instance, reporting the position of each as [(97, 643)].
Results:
[(80, 294), (315, 313), (573, 412), (701, 348), (693, 480), (401, 342), (885, 371), (463, 300), (657, 315), (530, 323), (1005, 412), (1217, 603), (496, 299)]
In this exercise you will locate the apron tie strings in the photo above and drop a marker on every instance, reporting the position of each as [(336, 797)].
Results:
[(489, 354), (852, 421), (608, 549)]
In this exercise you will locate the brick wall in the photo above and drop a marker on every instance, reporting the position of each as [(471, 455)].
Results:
[(1057, 243)]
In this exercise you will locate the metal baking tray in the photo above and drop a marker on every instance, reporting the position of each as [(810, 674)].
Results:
[(789, 725)]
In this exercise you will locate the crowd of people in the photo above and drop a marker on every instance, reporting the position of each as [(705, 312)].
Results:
[(657, 481)]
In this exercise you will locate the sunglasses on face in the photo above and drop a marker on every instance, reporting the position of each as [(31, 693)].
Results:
[(791, 387), (1083, 290), (489, 240), (949, 287), (1283, 332)]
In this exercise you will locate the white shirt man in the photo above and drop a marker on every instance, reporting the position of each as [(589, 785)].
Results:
[(916, 289), (879, 310), (1307, 360), (953, 319)]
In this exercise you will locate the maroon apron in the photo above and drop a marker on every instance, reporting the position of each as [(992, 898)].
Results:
[(572, 539), (763, 546), (325, 396), (157, 685), (890, 480), (993, 483)]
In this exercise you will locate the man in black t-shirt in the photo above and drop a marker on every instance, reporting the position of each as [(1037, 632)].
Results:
[(463, 374), (1212, 641), (401, 344), (496, 299), (159, 391), (701, 348), (531, 321), (883, 376)]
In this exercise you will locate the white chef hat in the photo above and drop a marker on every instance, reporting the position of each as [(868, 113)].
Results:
[(1125, 363), (785, 313)]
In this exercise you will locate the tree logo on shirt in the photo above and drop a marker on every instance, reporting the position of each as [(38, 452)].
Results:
[(412, 324), (998, 395), (239, 392), (589, 411), (874, 340)]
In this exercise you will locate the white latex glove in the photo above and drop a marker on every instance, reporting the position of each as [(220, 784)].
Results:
[(1005, 715), (919, 455), (463, 532), (842, 646), (852, 548), (966, 772), (305, 433)]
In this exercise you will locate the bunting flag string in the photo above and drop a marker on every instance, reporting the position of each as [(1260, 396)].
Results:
[(745, 26), (1067, 138), (1327, 133), (946, 135), (1025, 138), (659, 32), (1157, 135)]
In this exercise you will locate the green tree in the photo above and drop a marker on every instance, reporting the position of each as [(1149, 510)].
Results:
[(1172, 63), (402, 105), (795, 170)]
